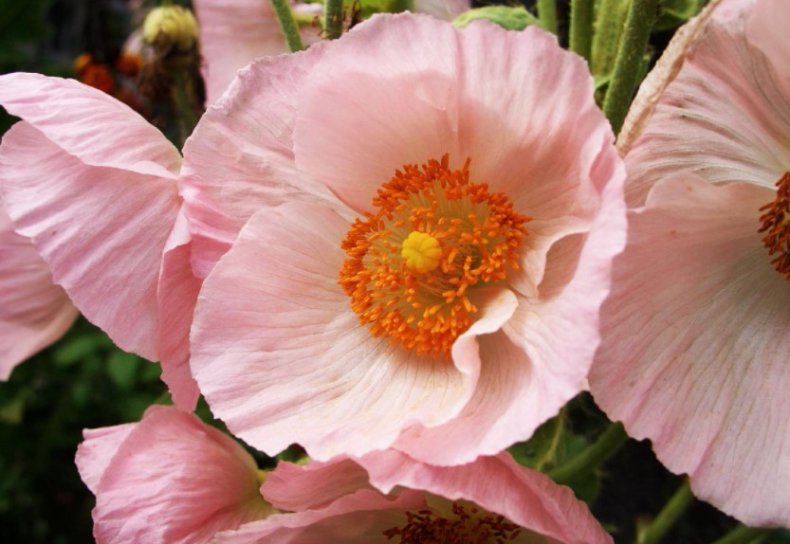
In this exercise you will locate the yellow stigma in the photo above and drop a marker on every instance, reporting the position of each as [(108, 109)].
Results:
[(421, 251)]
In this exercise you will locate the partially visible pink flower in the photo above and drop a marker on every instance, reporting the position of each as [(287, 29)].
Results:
[(169, 478), (233, 33), (696, 348), (94, 187), (33, 312), (387, 497), (298, 148)]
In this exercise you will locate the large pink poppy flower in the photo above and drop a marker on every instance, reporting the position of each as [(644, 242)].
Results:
[(387, 497), (234, 33), (429, 231), (169, 478), (696, 346), (94, 187), (33, 312)]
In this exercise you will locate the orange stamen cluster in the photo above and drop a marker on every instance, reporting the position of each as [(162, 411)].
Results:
[(423, 302), (474, 527), (776, 226)]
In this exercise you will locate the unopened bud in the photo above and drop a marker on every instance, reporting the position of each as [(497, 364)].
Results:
[(510, 18), (170, 26)]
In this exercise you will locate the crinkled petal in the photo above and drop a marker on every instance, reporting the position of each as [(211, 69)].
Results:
[(239, 157), (97, 450), (174, 479), (359, 518), (177, 294), (726, 117), (33, 311), (695, 347), (93, 186), (293, 487), (499, 485), (101, 230), (89, 124), (417, 88), (281, 357)]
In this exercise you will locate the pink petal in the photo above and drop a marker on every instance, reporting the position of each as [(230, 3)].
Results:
[(239, 157), (175, 479), (95, 192), (695, 346), (723, 118), (97, 450), (89, 124), (766, 27), (499, 485), (293, 487), (281, 358), (666, 69), (33, 311), (359, 518), (177, 294), (406, 89), (233, 34)]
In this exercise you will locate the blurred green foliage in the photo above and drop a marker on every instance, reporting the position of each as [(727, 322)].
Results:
[(83, 381)]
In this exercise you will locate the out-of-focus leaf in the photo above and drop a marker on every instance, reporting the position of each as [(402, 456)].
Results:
[(673, 13), (123, 368)]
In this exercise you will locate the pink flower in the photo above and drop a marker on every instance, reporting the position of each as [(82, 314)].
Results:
[(33, 312), (169, 478), (696, 343), (94, 187), (234, 33), (290, 342), (387, 497)]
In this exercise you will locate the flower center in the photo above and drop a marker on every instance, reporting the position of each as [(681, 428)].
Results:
[(462, 527), (413, 262), (776, 226)]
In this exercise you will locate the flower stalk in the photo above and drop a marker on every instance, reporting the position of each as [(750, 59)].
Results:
[(287, 22), (612, 439), (628, 65), (745, 535), (581, 27), (547, 13), (333, 19), (673, 510)]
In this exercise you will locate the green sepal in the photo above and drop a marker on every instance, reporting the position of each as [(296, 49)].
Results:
[(509, 18)]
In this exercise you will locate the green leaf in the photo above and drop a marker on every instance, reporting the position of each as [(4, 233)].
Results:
[(122, 368), (76, 349)]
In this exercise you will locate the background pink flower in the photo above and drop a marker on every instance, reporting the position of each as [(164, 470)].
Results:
[(235, 33), (33, 311), (299, 146), (388, 497), (169, 478), (696, 343)]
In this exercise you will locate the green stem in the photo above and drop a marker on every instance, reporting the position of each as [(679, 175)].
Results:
[(640, 21), (287, 22), (547, 13), (333, 19), (599, 451), (745, 535), (672, 511), (581, 27)]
